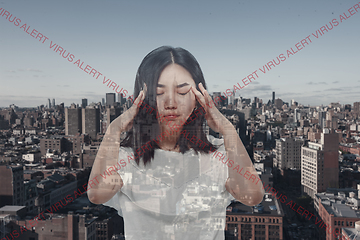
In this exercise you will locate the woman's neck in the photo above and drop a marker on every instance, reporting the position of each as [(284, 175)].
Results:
[(169, 139)]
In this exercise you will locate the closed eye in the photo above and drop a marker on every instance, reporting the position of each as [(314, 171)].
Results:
[(184, 90)]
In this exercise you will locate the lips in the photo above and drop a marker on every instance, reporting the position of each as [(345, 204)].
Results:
[(171, 116)]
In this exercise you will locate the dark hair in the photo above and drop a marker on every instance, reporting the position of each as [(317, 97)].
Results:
[(145, 128)]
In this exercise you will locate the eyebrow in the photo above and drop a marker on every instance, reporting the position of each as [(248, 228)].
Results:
[(178, 86)]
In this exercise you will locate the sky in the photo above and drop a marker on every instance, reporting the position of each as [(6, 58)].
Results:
[(230, 39)]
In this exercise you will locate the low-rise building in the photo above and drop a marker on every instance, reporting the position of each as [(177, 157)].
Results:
[(338, 209), (264, 221)]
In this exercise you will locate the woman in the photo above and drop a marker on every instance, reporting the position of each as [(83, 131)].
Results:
[(171, 180)]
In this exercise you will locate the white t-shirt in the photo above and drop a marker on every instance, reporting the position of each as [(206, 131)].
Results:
[(177, 196)]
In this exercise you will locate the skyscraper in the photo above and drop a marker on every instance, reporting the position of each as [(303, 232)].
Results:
[(121, 99), (53, 103), (273, 99), (84, 102), (356, 108), (49, 103), (72, 120), (232, 98), (110, 99), (112, 113), (296, 115), (320, 164), (278, 103), (90, 121), (322, 119)]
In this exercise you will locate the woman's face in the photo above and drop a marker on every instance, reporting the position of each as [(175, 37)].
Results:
[(174, 98)]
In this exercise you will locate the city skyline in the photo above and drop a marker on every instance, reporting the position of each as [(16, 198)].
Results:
[(230, 40)]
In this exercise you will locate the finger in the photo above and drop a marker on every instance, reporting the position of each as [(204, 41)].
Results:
[(145, 90), (138, 101), (198, 96), (204, 91), (207, 96)]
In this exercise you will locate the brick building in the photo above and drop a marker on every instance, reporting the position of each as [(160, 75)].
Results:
[(337, 210), (264, 221), (320, 164), (12, 185)]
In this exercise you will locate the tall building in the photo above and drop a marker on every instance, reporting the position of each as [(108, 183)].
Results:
[(72, 120), (219, 100), (12, 185), (356, 107), (278, 103), (273, 98), (53, 102), (91, 121), (320, 164), (84, 102), (110, 99), (288, 153), (121, 99), (49, 103), (322, 119), (296, 115), (112, 113), (232, 98)]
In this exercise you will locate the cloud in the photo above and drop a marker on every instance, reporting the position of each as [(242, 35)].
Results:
[(317, 83), (21, 97), (334, 89), (289, 94), (63, 85), (261, 88), (29, 70), (335, 82)]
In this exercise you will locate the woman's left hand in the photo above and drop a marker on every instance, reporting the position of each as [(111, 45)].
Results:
[(213, 116)]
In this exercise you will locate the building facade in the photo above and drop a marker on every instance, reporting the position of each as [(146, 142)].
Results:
[(90, 121), (320, 164), (288, 153), (72, 120), (12, 185)]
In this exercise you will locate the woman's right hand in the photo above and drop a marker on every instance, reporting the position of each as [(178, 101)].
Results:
[(108, 155), (125, 120)]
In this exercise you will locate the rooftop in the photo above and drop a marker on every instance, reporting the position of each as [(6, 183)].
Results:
[(10, 208), (268, 207), (338, 203), (352, 233)]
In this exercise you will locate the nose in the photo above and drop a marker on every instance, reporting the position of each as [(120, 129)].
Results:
[(170, 100)]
